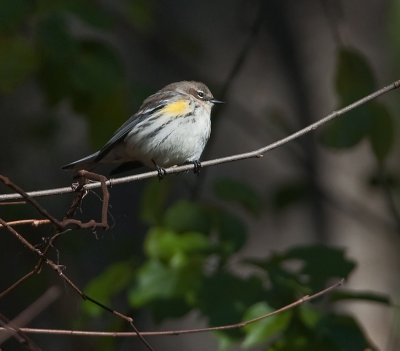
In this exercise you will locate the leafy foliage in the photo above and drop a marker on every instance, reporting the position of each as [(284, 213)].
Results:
[(243, 194), (113, 280), (191, 248), (187, 266), (372, 121), (265, 329), (85, 70)]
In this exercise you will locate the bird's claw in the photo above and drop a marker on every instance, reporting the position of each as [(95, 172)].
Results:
[(161, 171), (197, 167)]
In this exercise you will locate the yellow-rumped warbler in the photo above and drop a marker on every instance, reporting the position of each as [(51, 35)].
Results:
[(171, 128)]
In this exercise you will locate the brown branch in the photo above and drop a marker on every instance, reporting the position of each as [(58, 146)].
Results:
[(18, 282), (252, 154), (10, 203), (20, 336), (33, 222), (25, 242), (100, 181), (57, 268), (184, 331), (30, 200), (85, 176), (29, 313)]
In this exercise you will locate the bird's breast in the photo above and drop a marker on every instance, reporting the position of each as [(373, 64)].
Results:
[(179, 107)]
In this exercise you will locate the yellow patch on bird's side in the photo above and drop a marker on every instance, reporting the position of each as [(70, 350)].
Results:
[(179, 107)]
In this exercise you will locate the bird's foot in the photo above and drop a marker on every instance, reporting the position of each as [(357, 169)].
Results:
[(197, 166), (161, 171)]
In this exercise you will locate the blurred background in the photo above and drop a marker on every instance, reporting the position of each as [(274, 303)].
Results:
[(243, 238)]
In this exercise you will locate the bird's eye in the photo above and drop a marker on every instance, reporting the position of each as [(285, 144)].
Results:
[(200, 94)]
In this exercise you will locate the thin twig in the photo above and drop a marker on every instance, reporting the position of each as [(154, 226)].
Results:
[(33, 222), (25, 242), (30, 200), (21, 337), (184, 331), (85, 176), (29, 313), (18, 282), (10, 203), (251, 154), (59, 270)]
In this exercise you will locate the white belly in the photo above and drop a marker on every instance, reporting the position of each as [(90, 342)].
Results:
[(179, 141)]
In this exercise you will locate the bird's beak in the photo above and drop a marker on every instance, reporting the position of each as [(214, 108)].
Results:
[(215, 101)]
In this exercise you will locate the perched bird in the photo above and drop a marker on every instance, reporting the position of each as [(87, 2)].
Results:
[(171, 128)]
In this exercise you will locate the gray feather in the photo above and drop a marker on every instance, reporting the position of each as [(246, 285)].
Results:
[(84, 163)]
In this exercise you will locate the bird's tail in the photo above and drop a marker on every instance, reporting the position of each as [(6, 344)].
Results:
[(87, 162)]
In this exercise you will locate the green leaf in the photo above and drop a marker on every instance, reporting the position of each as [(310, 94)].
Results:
[(382, 131), (185, 216), (360, 295), (232, 233), (173, 307), (154, 281), (17, 62), (115, 278), (287, 195), (295, 343), (153, 201), (13, 13), (309, 316), (287, 285), (235, 191), (225, 340), (321, 263), (224, 297), (344, 332), (348, 130), (165, 244), (354, 79), (260, 331)]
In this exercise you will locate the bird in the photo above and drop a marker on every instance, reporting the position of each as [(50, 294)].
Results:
[(171, 128)]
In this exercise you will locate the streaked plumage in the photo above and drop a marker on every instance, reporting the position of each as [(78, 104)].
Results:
[(171, 127)]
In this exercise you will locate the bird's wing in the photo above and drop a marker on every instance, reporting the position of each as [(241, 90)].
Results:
[(85, 162), (149, 107)]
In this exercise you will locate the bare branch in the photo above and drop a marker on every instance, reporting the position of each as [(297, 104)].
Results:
[(21, 337), (59, 270), (252, 154), (29, 313), (84, 176), (33, 222), (30, 200), (9, 203), (183, 331), (18, 282)]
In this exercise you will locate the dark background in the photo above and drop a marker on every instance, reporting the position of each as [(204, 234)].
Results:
[(71, 72)]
